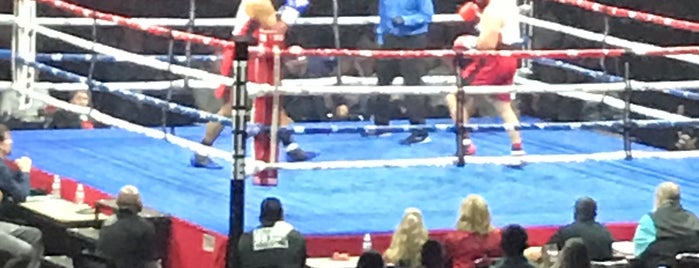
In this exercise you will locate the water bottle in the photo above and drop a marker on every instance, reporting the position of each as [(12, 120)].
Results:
[(366, 244), (56, 186), (80, 194)]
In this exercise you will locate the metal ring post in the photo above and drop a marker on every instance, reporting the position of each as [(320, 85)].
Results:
[(460, 99), (241, 115), (627, 106), (171, 60), (190, 29), (336, 33)]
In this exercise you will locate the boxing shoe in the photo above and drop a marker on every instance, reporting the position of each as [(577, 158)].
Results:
[(416, 137), (299, 155), (517, 150), (469, 149), (200, 161)]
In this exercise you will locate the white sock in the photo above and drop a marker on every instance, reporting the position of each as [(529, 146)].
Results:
[(292, 146)]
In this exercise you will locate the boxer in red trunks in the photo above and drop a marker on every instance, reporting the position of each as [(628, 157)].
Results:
[(254, 15), (499, 30)]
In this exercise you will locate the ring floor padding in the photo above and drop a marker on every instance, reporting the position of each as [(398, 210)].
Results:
[(351, 201)]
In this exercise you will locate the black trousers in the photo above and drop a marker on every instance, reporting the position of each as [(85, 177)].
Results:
[(411, 70)]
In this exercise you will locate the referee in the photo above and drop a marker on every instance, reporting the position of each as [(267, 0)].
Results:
[(403, 25)]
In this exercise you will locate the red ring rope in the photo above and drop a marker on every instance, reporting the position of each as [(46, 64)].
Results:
[(131, 23), (555, 54), (632, 14), (183, 36)]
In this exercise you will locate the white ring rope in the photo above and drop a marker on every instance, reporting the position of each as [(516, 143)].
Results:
[(133, 57), (142, 85), (609, 100), (480, 160)]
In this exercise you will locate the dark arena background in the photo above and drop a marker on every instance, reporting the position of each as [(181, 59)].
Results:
[(335, 208)]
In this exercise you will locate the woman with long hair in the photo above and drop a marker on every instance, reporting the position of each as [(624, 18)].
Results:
[(475, 237), (407, 241)]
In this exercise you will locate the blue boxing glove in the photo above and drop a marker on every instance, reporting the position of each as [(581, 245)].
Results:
[(292, 9)]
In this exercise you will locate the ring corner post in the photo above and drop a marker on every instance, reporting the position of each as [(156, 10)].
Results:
[(266, 149), (23, 51), (241, 110)]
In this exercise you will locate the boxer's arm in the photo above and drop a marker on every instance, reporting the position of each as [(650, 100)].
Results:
[(490, 25)]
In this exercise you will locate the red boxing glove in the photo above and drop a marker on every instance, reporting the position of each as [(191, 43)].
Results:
[(469, 11)]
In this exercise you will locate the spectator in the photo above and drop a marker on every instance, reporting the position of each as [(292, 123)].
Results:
[(513, 244), (69, 120), (126, 239), (574, 255), (22, 243), (274, 244), (370, 259), (432, 255), (668, 230), (475, 236), (407, 241), (595, 235), (403, 24)]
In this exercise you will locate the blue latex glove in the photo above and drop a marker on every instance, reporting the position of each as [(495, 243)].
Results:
[(292, 9)]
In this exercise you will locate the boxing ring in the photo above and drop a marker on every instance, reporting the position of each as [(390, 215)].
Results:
[(360, 185)]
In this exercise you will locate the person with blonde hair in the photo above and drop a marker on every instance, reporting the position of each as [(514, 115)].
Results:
[(667, 230), (407, 241), (474, 237), (574, 255)]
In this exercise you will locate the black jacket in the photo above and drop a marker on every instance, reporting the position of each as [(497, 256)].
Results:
[(277, 246), (128, 241), (596, 237), (677, 231)]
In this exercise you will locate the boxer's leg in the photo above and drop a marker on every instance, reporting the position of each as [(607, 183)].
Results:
[(504, 106), (294, 153), (507, 68), (213, 130)]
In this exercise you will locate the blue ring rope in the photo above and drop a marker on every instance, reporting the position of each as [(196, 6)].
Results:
[(6, 54), (603, 77), (174, 107), (371, 129)]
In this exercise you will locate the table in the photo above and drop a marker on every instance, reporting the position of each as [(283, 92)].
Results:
[(85, 233), (623, 248), (63, 212), (145, 212), (330, 263)]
